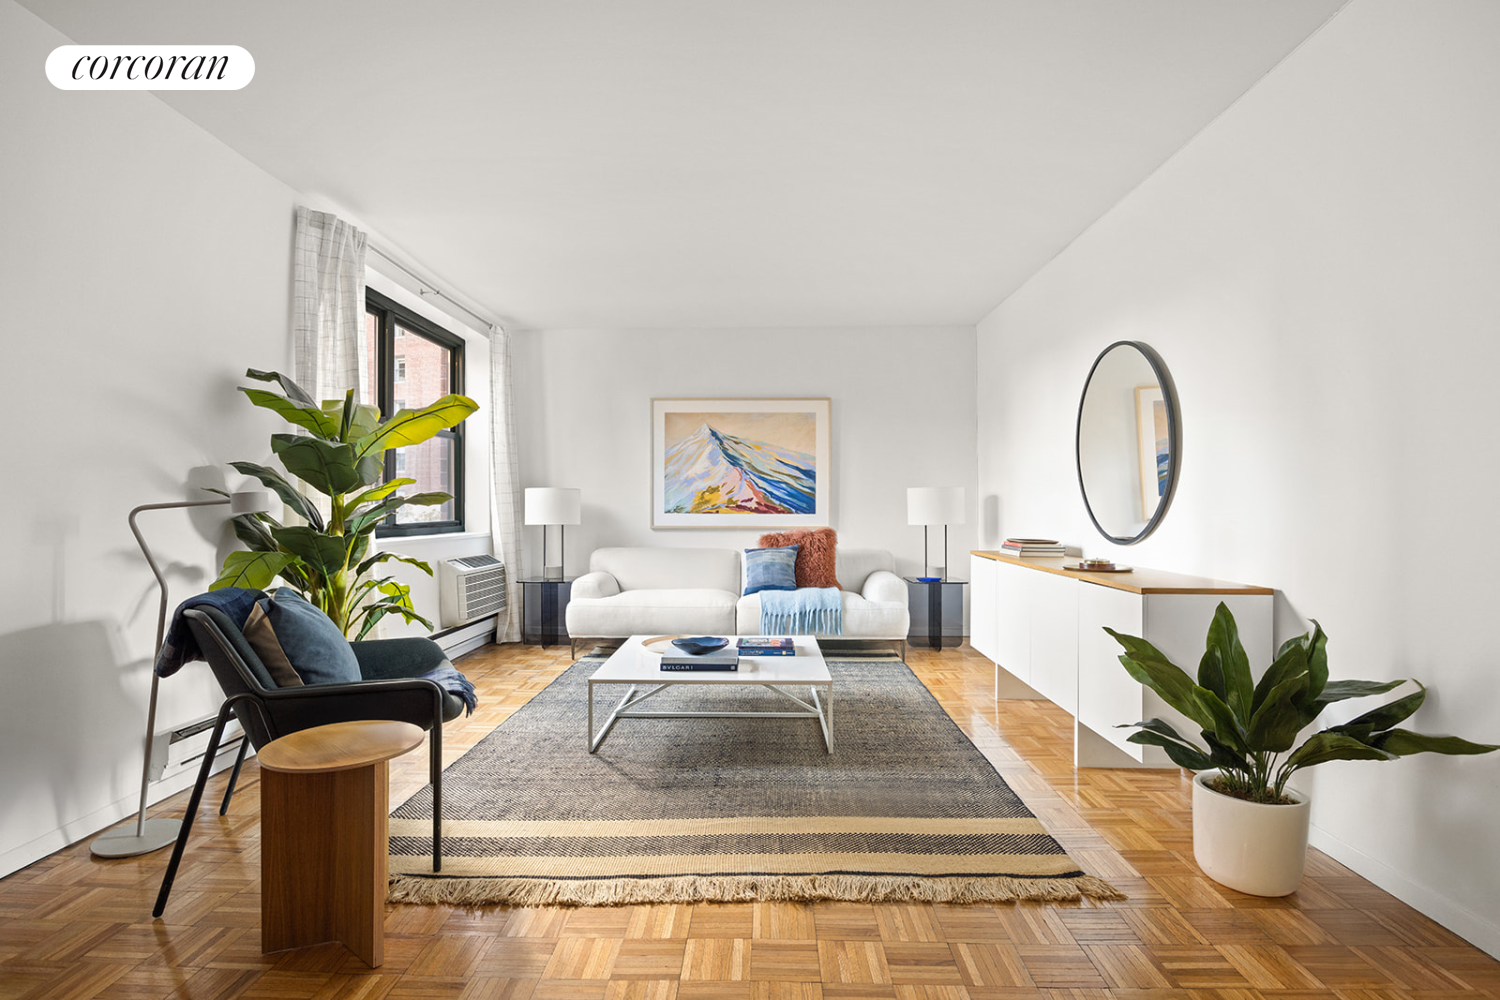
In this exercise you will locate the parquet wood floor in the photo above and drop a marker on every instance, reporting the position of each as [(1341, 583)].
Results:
[(72, 926)]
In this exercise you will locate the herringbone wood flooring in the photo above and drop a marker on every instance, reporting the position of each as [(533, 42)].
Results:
[(73, 926)]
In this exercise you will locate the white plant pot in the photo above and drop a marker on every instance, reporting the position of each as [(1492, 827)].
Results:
[(1254, 848)]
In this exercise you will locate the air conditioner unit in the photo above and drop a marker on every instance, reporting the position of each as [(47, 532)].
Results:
[(470, 588)]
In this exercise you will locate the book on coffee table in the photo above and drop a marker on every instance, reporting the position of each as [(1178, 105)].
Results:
[(719, 659), (752, 645)]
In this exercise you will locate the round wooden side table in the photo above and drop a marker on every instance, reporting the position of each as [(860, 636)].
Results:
[(324, 829)]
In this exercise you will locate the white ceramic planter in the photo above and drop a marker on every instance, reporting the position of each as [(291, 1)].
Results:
[(1257, 849)]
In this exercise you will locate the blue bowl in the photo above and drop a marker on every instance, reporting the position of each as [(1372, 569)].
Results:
[(698, 644), (929, 579)]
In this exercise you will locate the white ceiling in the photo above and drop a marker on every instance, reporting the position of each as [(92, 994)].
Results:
[(718, 163)]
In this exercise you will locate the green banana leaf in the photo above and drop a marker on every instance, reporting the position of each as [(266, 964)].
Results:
[(326, 467), (376, 493), (368, 519), (293, 391), (415, 426), (252, 570), (324, 553), (381, 557), (270, 478), (310, 417)]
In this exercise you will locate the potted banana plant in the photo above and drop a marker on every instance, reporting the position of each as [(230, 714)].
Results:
[(342, 456), (1249, 825)]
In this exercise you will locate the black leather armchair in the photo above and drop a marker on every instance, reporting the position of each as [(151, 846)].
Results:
[(391, 688)]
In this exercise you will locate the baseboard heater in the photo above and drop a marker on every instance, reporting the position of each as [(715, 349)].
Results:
[(176, 750)]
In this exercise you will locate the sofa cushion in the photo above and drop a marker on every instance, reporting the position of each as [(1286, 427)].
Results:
[(816, 555), (646, 568), (770, 569), (695, 611)]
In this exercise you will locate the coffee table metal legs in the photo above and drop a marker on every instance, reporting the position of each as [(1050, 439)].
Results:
[(626, 709)]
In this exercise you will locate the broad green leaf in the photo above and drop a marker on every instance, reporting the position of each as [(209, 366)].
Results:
[(363, 423), (1291, 662), (1403, 742), (378, 493), (1342, 690), (324, 553), (1147, 665), (300, 505), (294, 391), (1221, 720), (359, 547), (251, 570), (1224, 636), (381, 557), (1323, 747), (368, 519), (1389, 714), (1275, 725), (1225, 757), (1211, 673), (415, 426), (309, 417), (326, 467), (346, 417), (1317, 662), (1182, 754), (249, 528)]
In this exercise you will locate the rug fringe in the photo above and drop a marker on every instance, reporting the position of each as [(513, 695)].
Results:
[(741, 888)]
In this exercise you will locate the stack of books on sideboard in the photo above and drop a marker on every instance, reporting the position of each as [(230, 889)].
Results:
[(1033, 548)]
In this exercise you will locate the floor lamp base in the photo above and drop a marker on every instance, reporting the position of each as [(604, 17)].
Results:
[(125, 844)]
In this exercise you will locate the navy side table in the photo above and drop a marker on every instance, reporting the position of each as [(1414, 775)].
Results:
[(936, 608), (544, 605)]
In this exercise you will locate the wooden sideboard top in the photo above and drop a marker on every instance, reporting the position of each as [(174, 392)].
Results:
[(1138, 581)]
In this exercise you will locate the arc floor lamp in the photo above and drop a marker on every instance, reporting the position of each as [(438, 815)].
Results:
[(158, 833)]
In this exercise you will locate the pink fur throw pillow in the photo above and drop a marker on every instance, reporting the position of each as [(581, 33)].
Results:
[(815, 557)]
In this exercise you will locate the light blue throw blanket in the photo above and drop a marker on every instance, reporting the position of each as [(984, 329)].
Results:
[(804, 611)]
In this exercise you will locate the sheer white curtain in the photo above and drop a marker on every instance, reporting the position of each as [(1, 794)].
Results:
[(506, 470), (328, 305)]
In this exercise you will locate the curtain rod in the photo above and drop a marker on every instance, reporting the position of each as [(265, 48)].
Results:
[(427, 287)]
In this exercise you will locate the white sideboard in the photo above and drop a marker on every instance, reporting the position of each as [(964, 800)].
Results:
[(1043, 626)]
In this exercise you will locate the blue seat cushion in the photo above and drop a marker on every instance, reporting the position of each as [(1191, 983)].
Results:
[(770, 569), (298, 643)]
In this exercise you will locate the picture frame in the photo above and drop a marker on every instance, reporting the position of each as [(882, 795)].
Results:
[(740, 463), (1153, 446)]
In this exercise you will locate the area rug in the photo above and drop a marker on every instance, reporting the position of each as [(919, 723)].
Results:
[(685, 810)]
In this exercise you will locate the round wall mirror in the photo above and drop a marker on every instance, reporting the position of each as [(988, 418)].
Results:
[(1129, 442)]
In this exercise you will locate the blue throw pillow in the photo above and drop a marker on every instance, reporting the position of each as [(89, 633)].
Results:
[(298, 643), (770, 569)]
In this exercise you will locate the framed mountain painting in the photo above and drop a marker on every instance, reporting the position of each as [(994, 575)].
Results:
[(739, 463)]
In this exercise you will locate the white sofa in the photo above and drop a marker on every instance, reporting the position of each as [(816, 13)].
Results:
[(663, 591)]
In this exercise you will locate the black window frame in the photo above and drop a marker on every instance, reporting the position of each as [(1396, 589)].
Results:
[(388, 314)]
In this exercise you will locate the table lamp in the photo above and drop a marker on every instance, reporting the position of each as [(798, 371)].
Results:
[(553, 505), (158, 833), (926, 505)]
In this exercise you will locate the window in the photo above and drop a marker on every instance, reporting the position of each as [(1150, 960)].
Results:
[(429, 367)]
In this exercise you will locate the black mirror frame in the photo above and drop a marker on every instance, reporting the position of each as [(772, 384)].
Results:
[(1174, 433)]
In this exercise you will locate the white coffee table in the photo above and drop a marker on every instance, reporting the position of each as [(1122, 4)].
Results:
[(640, 669)]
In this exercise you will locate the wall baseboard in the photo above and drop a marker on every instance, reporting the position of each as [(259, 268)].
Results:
[(1454, 916), (105, 817)]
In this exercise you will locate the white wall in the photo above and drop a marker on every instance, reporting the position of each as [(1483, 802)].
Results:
[(903, 414), (143, 268), (1318, 269)]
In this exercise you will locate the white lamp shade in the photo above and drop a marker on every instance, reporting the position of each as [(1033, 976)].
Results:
[(935, 505), (252, 502), (553, 505)]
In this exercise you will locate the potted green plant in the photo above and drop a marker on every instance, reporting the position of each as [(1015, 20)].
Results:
[(342, 456), (1249, 826)]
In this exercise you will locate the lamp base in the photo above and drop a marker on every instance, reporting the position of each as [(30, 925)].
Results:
[(159, 833)]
